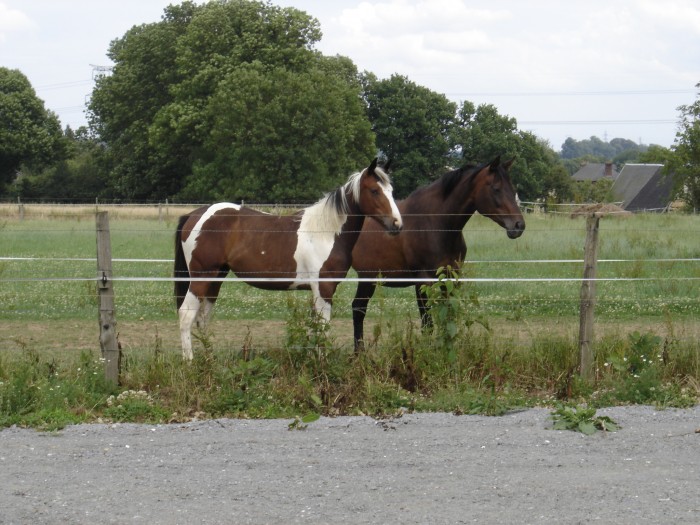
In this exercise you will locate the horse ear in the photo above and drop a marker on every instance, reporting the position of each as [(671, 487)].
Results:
[(509, 163), (372, 166), (387, 165), (494, 163)]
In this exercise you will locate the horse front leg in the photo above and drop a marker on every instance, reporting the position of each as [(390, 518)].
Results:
[(364, 293), (426, 321), (188, 313), (323, 299)]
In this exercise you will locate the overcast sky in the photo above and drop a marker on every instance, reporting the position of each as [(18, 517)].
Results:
[(574, 68)]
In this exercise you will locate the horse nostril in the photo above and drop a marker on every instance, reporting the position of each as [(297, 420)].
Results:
[(395, 227)]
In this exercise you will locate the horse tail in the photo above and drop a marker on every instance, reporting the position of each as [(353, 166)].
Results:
[(180, 269)]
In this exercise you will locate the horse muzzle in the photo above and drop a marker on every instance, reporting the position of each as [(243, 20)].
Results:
[(516, 230), (393, 226)]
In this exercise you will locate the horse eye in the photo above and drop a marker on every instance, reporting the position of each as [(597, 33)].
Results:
[(374, 191)]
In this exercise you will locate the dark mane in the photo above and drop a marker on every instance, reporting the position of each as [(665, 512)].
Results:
[(450, 179), (337, 202)]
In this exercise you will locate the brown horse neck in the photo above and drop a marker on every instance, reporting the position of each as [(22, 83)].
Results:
[(452, 210), (340, 258)]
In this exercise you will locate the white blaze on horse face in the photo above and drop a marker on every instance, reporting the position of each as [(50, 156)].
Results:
[(190, 244), (395, 213)]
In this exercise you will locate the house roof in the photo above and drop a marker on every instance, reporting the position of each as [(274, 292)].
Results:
[(643, 187), (594, 171)]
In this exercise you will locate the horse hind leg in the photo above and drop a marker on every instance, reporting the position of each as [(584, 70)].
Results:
[(204, 313), (208, 302), (188, 313)]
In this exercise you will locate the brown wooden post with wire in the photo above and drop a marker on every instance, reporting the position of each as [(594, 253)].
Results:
[(108, 323), (588, 297)]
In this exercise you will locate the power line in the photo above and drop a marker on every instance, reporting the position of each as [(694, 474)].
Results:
[(63, 85), (586, 122), (574, 93)]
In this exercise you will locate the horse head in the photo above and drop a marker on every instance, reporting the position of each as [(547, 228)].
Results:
[(496, 197), (376, 198)]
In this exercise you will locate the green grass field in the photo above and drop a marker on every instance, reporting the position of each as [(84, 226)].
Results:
[(513, 341), (658, 282)]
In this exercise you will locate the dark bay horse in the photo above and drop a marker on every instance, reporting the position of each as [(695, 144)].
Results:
[(434, 217), (276, 252)]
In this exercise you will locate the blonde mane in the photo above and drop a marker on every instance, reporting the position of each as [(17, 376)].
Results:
[(331, 211)]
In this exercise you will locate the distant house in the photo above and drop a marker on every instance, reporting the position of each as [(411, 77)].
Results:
[(643, 187), (594, 172)]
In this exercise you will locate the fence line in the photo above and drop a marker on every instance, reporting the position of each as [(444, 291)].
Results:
[(379, 280), (490, 261)]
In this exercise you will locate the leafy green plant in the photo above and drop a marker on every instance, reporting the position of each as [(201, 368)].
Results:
[(307, 331), (642, 369), (301, 423), (581, 419), (642, 353), (445, 309), (486, 404), (134, 405)]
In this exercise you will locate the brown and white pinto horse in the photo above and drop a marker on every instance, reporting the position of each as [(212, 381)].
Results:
[(276, 252), (434, 217)]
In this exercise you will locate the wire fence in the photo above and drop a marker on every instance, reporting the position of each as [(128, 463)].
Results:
[(382, 278), (653, 282)]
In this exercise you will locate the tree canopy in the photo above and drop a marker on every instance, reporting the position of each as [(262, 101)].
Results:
[(413, 127), (685, 163), (229, 100), (482, 134), (29, 133)]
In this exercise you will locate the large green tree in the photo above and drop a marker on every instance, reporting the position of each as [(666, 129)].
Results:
[(685, 163), (483, 134), (124, 105), (538, 173), (413, 126), (279, 135), (30, 135), (179, 110), (77, 178)]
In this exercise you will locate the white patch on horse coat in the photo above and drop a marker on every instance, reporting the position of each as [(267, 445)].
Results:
[(190, 244), (319, 226), (187, 314), (315, 238)]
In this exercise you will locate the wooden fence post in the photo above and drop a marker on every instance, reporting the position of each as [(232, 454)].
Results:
[(588, 297), (108, 323)]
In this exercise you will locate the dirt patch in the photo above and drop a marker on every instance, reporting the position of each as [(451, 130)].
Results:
[(145, 335)]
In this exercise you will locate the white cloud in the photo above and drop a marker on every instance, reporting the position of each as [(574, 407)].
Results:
[(679, 16), (13, 20)]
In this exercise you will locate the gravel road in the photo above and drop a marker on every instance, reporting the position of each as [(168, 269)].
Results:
[(419, 468)]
